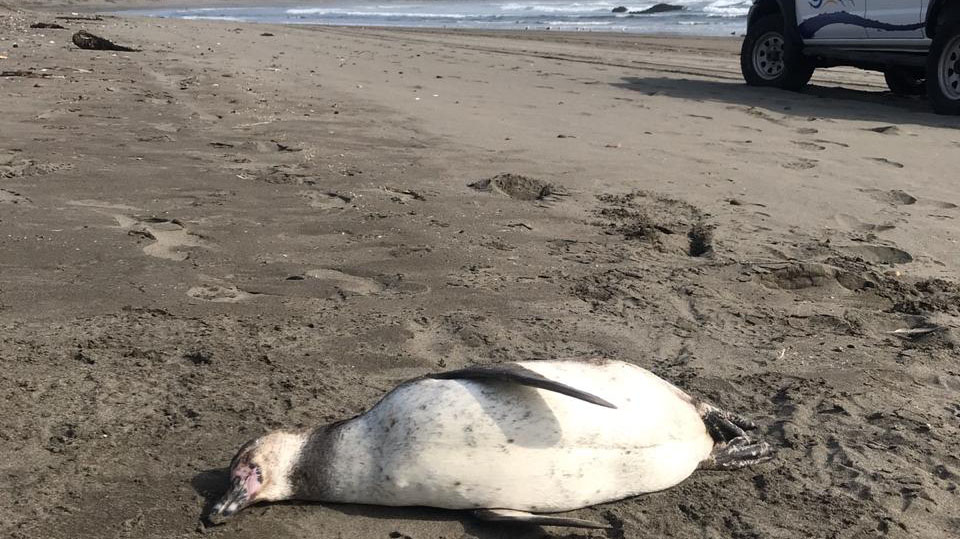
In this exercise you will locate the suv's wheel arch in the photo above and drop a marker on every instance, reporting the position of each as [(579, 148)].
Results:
[(784, 8), (938, 13), (764, 7)]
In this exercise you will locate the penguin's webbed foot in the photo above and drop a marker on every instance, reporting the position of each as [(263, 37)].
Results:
[(726, 426), (738, 453)]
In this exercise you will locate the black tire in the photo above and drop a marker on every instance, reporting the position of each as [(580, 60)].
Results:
[(795, 70), (904, 83), (943, 81)]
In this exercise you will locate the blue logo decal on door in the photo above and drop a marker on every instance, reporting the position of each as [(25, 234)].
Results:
[(811, 26)]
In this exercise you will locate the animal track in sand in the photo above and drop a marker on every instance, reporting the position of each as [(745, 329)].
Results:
[(326, 200), (11, 197), (171, 239), (219, 294), (519, 187), (347, 283)]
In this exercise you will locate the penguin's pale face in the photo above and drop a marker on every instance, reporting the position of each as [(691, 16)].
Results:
[(259, 472)]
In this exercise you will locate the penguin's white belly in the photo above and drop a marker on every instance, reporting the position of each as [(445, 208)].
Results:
[(462, 444)]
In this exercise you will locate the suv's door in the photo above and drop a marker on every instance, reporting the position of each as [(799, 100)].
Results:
[(895, 19), (831, 19)]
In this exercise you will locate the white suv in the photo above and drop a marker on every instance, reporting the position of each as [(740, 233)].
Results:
[(915, 43)]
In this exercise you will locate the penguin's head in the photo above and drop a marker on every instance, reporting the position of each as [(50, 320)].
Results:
[(260, 472)]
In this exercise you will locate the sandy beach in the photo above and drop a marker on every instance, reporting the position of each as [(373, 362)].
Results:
[(245, 227)]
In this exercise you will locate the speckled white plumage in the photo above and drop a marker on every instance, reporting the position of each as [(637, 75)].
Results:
[(462, 444)]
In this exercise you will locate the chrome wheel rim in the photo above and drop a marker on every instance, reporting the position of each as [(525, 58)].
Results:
[(768, 56), (950, 70)]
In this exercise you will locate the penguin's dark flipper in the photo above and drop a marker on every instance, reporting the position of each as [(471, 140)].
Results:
[(519, 375), (509, 515)]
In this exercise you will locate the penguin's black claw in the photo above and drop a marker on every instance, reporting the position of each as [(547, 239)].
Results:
[(738, 453), (724, 426)]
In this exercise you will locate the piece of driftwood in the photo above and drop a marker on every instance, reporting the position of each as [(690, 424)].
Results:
[(51, 25), (80, 18), (86, 40)]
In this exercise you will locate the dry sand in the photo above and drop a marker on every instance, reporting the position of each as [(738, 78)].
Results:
[(230, 232)]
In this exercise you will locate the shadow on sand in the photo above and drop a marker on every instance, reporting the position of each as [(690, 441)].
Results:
[(212, 484), (815, 101)]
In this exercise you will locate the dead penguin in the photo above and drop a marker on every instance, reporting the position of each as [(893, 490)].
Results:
[(505, 441)]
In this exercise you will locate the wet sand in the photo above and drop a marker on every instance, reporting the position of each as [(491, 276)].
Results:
[(246, 227)]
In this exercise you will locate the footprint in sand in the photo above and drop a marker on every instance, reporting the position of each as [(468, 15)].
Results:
[(885, 129), (885, 161), (801, 164), (99, 204), (347, 283), (763, 115), (403, 196), (11, 166), (849, 222), (809, 146), (171, 239), (326, 200), (519, 187), (878, 254), (10, 197), (219, 294), (824, 141), (895, 197), (811, 275)]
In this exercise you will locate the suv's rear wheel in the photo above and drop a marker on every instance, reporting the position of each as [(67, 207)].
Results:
[(904, 83), (769, 58), (943, 69)]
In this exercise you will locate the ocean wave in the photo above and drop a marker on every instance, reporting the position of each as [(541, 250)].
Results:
[(212, 18), (565, 7), (383, 14), (713, 17), (715, 8), (728, 8)]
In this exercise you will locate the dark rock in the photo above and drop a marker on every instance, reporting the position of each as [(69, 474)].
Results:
[(199, 357), (658, 8), (620, 9), (86, 40)]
